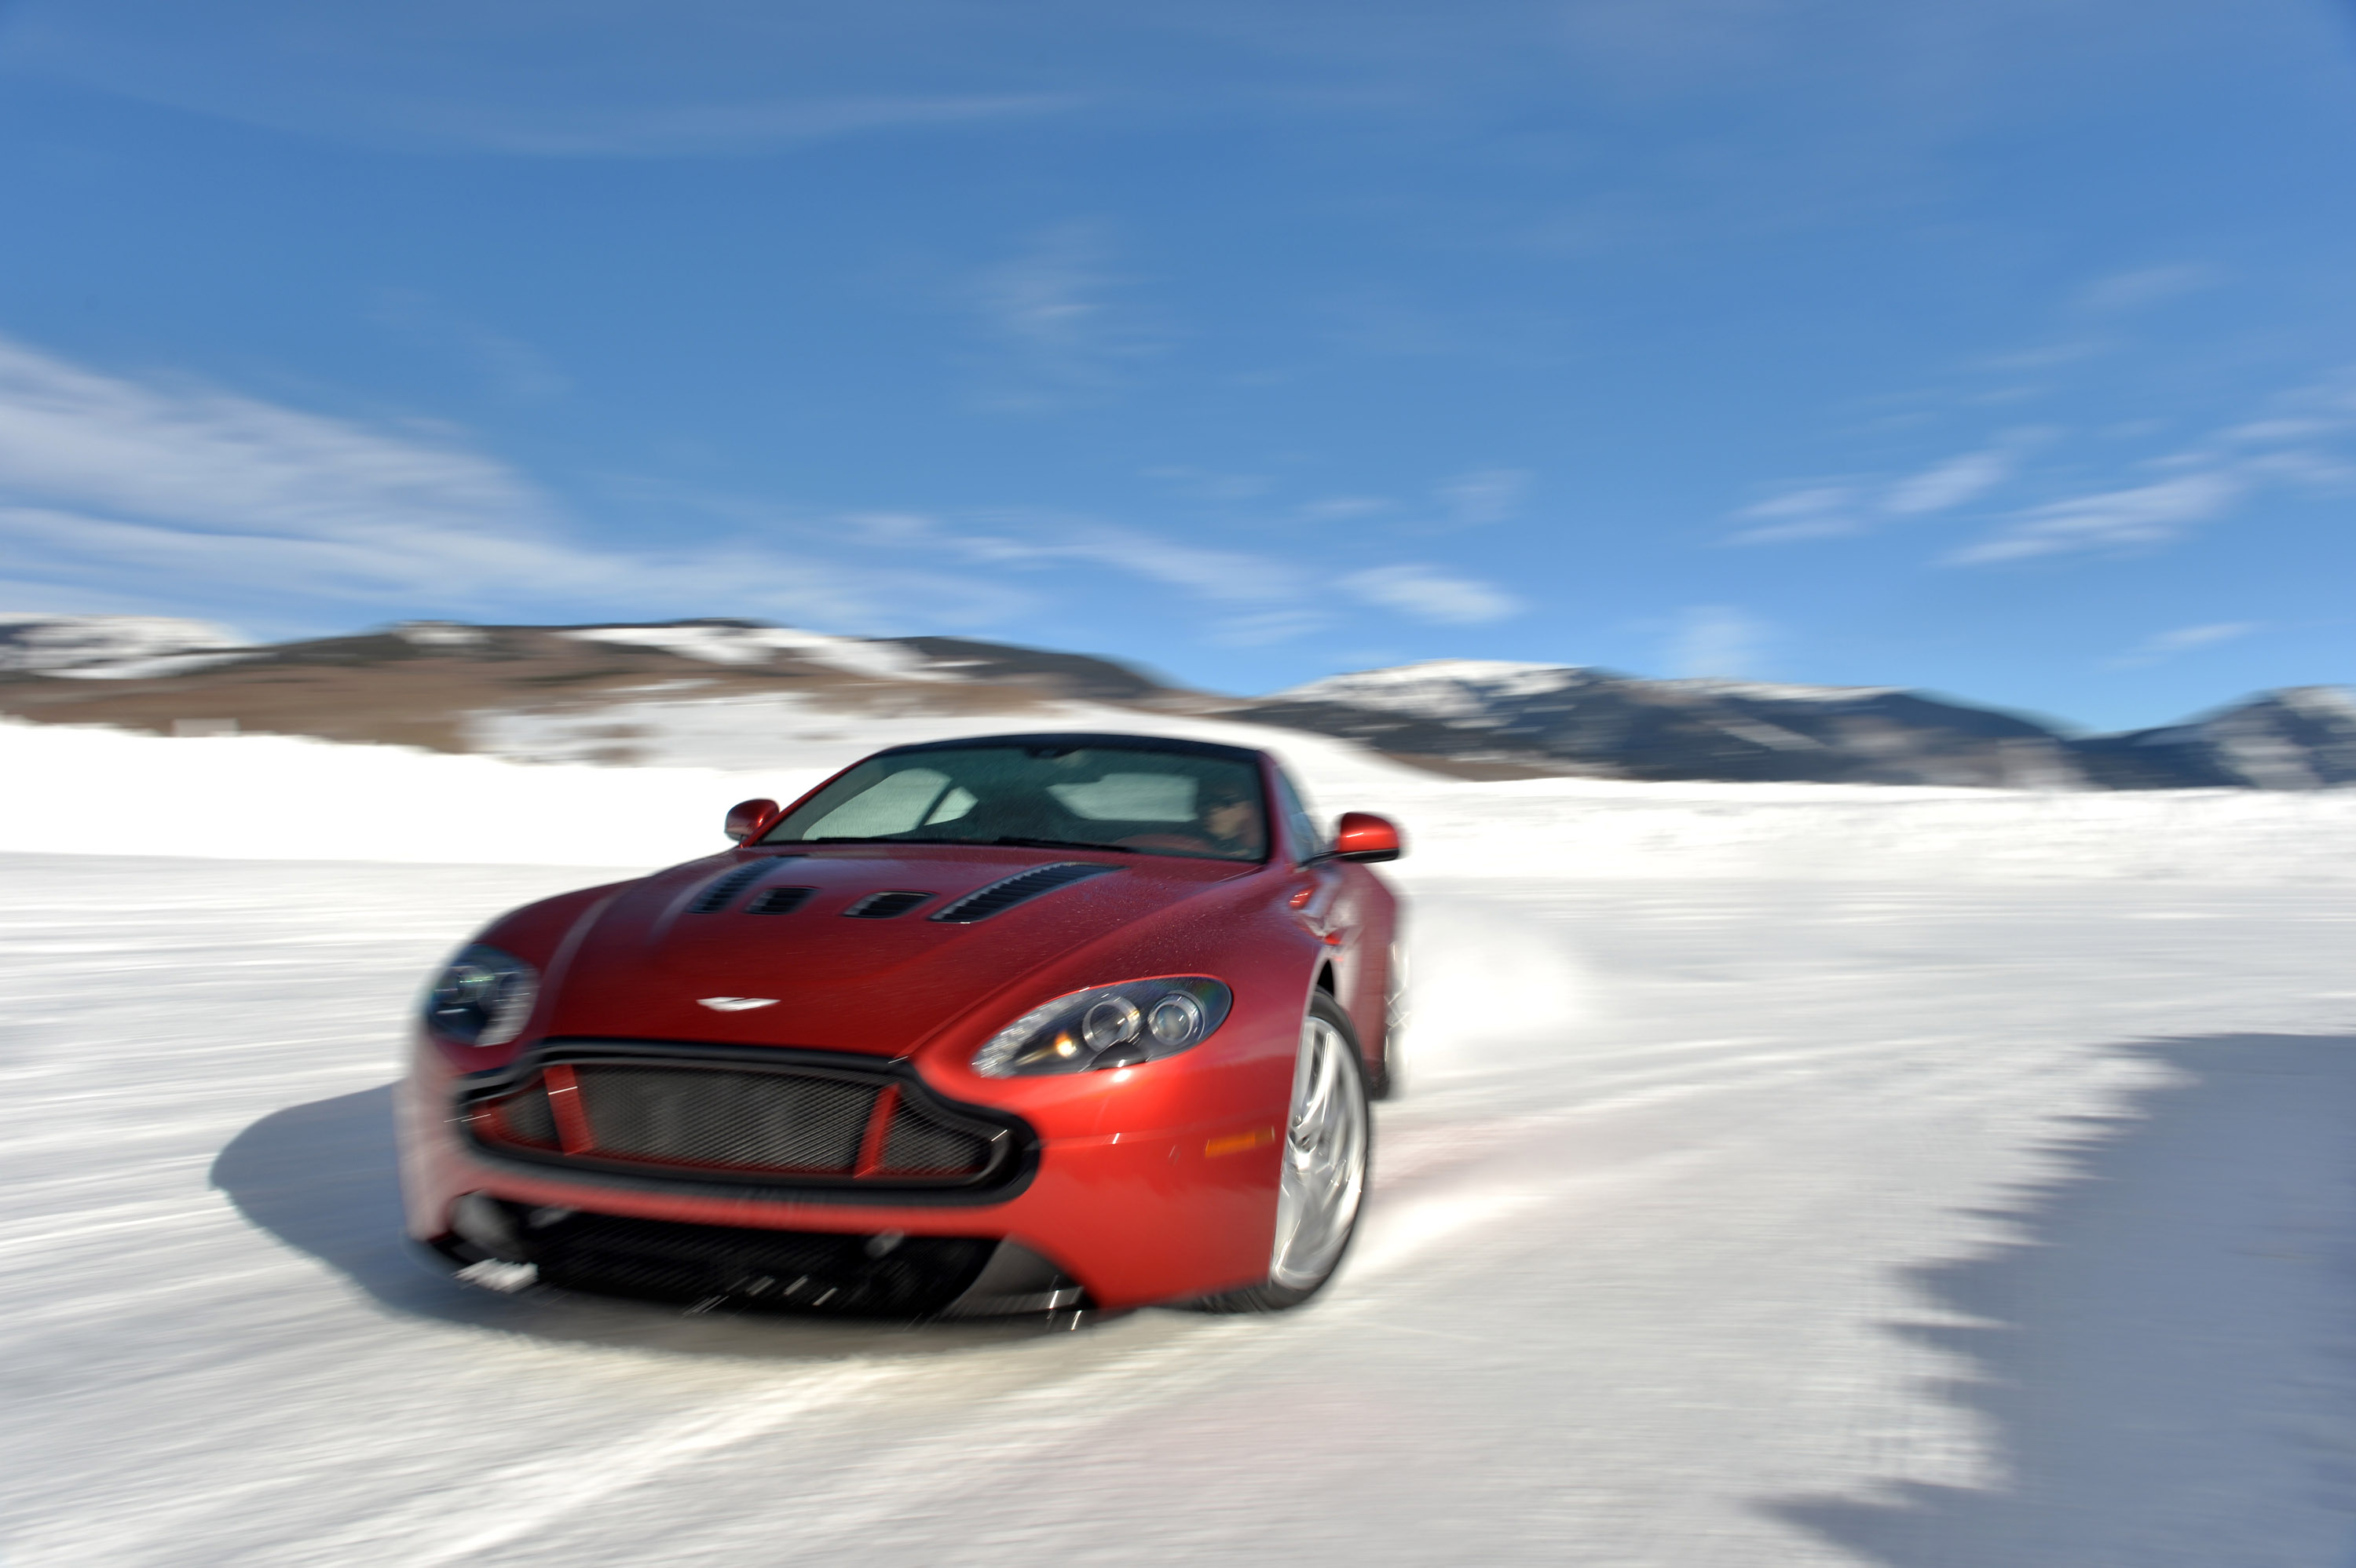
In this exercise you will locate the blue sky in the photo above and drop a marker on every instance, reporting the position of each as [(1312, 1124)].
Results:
[(2005, 349)]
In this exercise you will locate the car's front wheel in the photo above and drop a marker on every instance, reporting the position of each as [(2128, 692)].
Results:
[(1328, 1139)]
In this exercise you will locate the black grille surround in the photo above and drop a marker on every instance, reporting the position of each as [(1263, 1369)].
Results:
[(1000, 896), (743, 1122)]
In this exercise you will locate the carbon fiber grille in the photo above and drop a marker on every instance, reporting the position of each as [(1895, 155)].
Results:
[(883, 906), (1004, 894), (910, 1276), (526, 1117), (779, 900), (720, 894), (699, 1116), (917, 1144), (739, 1118)]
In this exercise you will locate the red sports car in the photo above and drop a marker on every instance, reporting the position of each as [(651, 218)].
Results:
[(1015, 1024)]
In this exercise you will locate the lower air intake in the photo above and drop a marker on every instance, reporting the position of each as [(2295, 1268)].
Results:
[(791, 1271)]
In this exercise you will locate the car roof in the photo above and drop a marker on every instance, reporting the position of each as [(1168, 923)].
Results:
[(1077, 740)]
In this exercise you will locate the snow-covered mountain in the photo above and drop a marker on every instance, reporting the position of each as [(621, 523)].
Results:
[(115, 647), (449, 686), (1480, 716), (638, 693), (2303, 737)]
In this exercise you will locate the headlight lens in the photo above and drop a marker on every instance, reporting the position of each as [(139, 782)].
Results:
[(1108, 1026), (483, 997)]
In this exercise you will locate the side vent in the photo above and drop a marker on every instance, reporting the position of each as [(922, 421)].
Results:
[(1005, 894), (779, 900), (883, 906), (723, 893)]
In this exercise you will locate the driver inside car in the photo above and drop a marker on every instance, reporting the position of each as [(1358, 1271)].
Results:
[(1229, 819)]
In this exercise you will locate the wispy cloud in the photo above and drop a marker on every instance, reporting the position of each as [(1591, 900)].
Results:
[(2300, 442), (1484, 495), (158, 487), (233, 467), (2292, 445), (1341, 508), (2145, 286), (1060, 319), (1218, 575), (1830, 509), (2111, 519), (2184, 639), (1812, 511), (1432, 594), (594, 81), (123, 488), (1948, 485)]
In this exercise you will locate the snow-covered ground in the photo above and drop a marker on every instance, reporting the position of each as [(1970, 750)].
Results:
[(1783, 1175), (536, 800)]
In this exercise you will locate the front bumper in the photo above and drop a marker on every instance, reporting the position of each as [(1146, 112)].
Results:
[(1130, 1213), (508, 1245)]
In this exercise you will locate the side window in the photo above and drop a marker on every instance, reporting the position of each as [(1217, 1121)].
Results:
[(1299, 824)]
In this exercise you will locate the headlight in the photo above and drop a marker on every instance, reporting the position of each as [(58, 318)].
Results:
[(483, 997), (1110, 1026)]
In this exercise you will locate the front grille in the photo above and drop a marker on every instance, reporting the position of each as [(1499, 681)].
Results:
[(1005, 894), (525, 1118), (751, 1120), (914, 1143), (885, 1276), (668, 1112)]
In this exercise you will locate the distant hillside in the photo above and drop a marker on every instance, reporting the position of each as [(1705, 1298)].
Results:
[(2303, 737), (1558, 717), (1475, 715), (433, 683), (424, 683)]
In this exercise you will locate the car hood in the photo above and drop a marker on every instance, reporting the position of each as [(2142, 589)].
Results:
[(652, 959)]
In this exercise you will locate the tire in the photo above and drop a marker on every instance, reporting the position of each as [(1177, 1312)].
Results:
[(1328, 1148)]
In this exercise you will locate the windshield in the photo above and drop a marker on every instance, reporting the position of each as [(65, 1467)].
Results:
[(1082, 797)]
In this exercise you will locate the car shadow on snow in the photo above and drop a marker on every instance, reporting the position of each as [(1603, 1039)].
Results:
[(2160, 1361), (323, 1179)]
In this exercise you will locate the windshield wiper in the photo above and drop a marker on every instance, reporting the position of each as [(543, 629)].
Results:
[(1062, 844)]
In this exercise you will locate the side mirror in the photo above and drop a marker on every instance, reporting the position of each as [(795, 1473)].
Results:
[(1363, 836), (747, 817)]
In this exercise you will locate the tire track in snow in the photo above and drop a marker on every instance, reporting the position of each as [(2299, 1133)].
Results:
[(982, 1454), (463, 1523)]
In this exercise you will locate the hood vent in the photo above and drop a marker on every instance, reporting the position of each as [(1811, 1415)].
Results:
[(779, 900), (883, 906), (723, 893), (1005, 894)]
